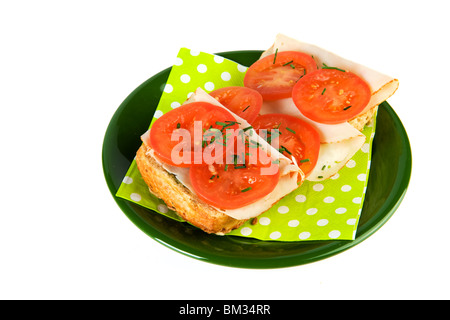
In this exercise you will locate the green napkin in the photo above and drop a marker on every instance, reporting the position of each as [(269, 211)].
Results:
[(315, 211)]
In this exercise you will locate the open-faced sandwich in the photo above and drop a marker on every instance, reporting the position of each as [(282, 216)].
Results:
[(225, 157), (336, 96)]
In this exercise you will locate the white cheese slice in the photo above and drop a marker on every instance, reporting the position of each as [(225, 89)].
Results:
[(333, 157), (291, 175), (381, 85)]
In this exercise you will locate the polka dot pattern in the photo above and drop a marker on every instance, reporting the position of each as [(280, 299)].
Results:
[(315, 211)]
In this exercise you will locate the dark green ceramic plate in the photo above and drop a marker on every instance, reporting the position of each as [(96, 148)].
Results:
[(389, 178)]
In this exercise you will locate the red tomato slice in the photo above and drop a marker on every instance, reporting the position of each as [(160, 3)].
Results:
[(331, 96), (242, 101), (297, 138), (229, 186), (186, 126), (275, 75)]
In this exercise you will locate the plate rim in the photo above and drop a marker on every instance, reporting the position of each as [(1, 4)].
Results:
[(338, 246)]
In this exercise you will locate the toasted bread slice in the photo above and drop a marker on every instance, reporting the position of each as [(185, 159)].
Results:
[(177, 197)]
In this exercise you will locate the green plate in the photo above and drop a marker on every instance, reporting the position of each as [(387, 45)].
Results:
[(389, 177)]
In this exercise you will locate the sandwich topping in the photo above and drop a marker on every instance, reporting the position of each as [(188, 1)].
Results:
[(327, 96), (244, 178)]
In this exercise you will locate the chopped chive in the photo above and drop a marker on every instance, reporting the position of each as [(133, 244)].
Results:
[(320, 177), (212, 177), (248, 128), (347, 107), (277, 161), (324, 166), (275, 57), (324, 89), (246, 189), (289, 129), (246, 108), (178, 125), (292, 66), (304, 160), (288, 63), (240, 167), (226, 124), (285, 149), (327, 67), (226, 167)]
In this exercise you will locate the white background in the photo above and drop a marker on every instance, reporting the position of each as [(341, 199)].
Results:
[(66, 66)]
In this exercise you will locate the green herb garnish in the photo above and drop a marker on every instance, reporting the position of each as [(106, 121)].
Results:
[(285, 149), (246, 189), (275, 57), (289, 129), (246, 108), (304, 160), (324, 89), (327, 67), (178, 125), (226, 124), (347, 107)]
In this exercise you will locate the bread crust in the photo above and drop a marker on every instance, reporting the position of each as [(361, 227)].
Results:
[(361, 120), (177, 197)]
